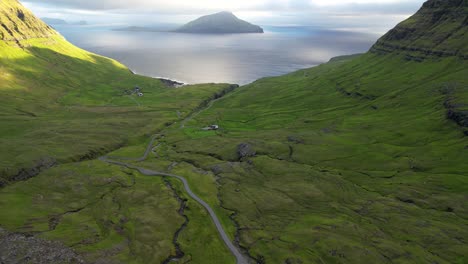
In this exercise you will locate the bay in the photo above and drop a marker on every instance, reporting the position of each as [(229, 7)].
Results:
[(235, 58)]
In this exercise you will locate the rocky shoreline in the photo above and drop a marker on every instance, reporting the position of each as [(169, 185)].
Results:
[(166, 81), (171, 83)]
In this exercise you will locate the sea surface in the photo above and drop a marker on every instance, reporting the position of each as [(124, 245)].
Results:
[(239, 58)]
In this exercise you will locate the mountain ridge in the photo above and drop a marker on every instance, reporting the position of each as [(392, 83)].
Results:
[(19, 24), (439, 28)]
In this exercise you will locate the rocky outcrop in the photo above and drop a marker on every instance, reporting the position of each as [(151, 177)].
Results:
[(439, 28), (460, 117), (40, 166), (171, 83), (245, 150), (456, 110), (457, 115), (19, 248)]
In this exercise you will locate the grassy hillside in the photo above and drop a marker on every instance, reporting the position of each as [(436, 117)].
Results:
[(438, 28), (18, 23), (77, 103), (357, 160), (360, 160), (61, 106)]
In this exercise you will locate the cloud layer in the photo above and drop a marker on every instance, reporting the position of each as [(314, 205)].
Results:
[(357, 13), (238, 5)]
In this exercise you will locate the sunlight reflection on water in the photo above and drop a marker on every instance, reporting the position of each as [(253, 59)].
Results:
[(240, 58)]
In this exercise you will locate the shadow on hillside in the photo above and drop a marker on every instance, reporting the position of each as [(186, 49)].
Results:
[(39, 127), (89, 70), (46, 73)]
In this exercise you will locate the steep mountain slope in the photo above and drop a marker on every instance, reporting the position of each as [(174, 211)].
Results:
[(18, 23), (219, 23), (56, 92), (439, 29), (61, 106)]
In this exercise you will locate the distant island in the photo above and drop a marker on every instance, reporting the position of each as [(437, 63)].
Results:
[(58, 21), (54, 21), (80, 23), (219, 23), (137, 29)]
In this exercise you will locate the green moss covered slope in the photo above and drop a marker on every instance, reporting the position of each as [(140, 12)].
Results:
[(18, 23), (439, 28)]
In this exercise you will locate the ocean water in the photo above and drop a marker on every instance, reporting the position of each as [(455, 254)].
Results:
[(239, 58)]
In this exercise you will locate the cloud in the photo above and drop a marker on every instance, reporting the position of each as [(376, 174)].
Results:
[(327, 13), (161, 5), (238, 5), (407, 7)]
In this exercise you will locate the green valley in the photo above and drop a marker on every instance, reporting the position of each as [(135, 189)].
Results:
[(78, 103), (61, 108), (359, 160)]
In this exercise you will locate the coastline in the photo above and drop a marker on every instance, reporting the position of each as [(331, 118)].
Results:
[(170, 82), (166, 81)]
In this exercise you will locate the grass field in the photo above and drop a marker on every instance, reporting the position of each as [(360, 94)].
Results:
[(362, 159), (110, 215)]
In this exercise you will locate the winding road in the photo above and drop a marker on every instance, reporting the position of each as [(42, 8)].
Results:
[(239, 257), (149, 149), (112, 160), (234, 250)]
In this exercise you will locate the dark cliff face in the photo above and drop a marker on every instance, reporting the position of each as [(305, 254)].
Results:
[(439, 28), (17, 23)]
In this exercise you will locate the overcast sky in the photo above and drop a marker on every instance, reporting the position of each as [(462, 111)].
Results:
[(373, 15)]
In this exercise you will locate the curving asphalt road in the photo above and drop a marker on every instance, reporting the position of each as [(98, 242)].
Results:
[(239, 257), (149, 149), (234, 250)]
